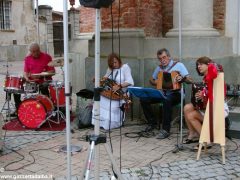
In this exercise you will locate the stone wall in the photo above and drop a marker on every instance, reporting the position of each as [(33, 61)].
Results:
[(14, 43)]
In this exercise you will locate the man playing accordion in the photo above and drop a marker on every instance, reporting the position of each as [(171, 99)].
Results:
[(172, 96)]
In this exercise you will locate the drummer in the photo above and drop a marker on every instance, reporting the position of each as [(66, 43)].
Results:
[(36, 68)]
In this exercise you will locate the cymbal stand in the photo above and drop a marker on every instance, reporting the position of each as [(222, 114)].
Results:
[(57, 112), (62, 72), (7, 99)]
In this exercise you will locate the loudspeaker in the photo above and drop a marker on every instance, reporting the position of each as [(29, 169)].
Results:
[(96, 3)]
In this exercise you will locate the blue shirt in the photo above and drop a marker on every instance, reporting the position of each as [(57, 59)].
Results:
[(177, 67)]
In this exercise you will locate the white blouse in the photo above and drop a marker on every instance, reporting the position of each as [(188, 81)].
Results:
[(120, 75)]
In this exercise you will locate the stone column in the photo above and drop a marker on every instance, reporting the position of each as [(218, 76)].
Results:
[(46, 40), (74, 21), (197, 18)]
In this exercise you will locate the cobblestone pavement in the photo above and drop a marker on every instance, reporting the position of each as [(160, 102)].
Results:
[(38, 155), (33, 152)]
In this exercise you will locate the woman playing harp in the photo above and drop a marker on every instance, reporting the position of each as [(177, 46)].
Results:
[(112, 111), (194, 111)]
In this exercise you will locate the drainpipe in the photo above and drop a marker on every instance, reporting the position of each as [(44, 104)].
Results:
[(37, 22), (238, 27)]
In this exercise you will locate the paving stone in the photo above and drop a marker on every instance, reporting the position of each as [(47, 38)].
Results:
[(221, 178), (174, 172), (164, 165), (231, 176), (237, 174), (207, 175), (165, 170), (34, 167), (164, 174)]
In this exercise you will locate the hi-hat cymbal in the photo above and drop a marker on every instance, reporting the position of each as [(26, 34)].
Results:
[(58, 62), (43, 74)]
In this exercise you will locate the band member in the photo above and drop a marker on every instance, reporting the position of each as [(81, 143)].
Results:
[(37, 62), (193, 112), (111, 111), (173, 97)]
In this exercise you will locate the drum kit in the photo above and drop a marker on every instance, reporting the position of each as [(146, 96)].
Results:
[(36, 109)]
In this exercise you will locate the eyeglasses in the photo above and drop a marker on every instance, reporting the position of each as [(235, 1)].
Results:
[(162, 57)]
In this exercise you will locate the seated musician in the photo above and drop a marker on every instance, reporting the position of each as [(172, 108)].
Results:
[(194, 111), (35, 62), (111, 111), (173, 97)]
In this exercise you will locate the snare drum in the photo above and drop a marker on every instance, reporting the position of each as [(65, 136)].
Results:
[(30, 87), (57, 89), (13, 83), (32, 112)]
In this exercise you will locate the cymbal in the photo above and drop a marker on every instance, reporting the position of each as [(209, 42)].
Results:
[(57, 62), (43, 74)]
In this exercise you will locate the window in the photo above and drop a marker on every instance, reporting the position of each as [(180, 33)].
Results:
[(5, 14)]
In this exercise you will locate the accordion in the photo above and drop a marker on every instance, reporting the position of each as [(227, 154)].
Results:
[(166, 81), (199, 104)]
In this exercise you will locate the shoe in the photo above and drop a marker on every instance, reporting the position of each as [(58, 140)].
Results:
[(195, 148), (163, 134), (190, 141), (149, 128), (14, 114)]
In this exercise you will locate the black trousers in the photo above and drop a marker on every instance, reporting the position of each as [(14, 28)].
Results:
[(17, 98), (172, 98)]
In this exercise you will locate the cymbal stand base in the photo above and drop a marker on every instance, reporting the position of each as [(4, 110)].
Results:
[(8, 107), (60, 116)]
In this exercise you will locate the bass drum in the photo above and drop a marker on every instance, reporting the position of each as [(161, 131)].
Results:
[(33, 112)]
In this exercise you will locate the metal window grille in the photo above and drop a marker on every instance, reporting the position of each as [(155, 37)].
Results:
[(5, 14)]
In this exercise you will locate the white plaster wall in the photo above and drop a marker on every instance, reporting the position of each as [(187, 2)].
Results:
[(231, 23), (23, 24)]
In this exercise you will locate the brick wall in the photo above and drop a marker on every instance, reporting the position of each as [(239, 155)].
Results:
[(167, 11), (144, 14), (154, 16), (87, 19), (219, 7)]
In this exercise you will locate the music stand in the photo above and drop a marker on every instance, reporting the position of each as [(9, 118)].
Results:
[(143, 93)]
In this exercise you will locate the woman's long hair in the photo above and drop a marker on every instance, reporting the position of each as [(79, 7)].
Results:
[(202, 60), (111, 58)]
